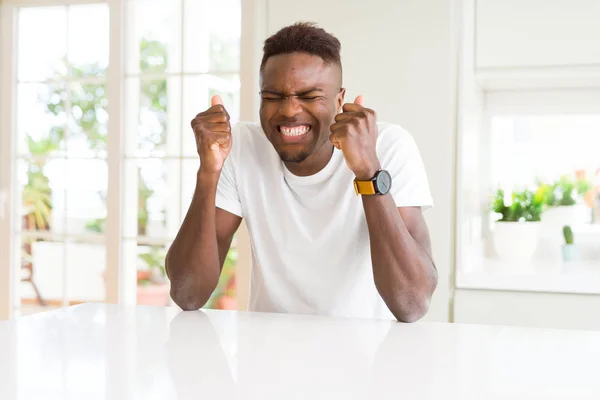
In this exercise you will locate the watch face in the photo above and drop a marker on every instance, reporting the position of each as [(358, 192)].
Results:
[(383, 182)]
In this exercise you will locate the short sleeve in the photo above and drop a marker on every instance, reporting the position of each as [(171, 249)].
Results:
[(227, 192), (401, 157)]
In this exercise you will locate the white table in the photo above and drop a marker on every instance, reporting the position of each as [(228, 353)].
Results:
[(95, 351)]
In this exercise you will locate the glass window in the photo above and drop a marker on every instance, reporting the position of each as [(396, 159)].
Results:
[(537, 188), (178, 55), (174, 62)]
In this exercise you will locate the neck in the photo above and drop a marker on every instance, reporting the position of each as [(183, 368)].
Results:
[(313, 163)]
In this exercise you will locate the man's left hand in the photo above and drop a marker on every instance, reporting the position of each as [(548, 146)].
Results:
[(355, 134)]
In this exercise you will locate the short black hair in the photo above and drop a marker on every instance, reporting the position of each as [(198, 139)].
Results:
[(303, 37)]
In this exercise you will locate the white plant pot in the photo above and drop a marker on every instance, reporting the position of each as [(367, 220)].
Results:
[(570, 252), (516, 242), (557, 217)]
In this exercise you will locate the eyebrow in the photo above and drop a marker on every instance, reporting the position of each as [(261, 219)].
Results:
[(304, 92)]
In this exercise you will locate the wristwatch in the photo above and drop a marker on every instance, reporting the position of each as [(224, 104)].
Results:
[(380, 184)]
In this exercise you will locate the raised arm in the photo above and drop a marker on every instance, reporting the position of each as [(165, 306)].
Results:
[(195, 259), (403, 269)]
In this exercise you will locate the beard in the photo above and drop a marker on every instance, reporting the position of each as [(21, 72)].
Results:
[(294, 157)]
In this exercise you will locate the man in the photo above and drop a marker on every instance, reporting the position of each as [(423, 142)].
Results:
[(318, 246)]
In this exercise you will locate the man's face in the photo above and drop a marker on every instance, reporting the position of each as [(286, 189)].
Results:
[(300, 96)]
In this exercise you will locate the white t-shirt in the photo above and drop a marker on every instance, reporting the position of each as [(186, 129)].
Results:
[(309, 236)]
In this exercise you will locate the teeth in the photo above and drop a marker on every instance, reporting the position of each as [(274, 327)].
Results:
[(295, 130)]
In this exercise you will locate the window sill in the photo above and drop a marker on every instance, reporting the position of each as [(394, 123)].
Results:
[(582, 277)]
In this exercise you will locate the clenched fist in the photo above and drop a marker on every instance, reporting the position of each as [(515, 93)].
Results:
[(213, 136), (355, 134)]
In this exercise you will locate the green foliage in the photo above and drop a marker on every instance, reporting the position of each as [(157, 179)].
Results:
[(37, 194), (525, 206), (96, 225), (153, 56), (154, 259), (568, 234), (563, 192), (153, 93), (144, 194), (88, 113), (88, 105), (37, 199), (226, 285), (86, 101), (153, 59)]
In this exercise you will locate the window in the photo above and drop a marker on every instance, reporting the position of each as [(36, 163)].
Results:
[(61, 167), (177, 54), (530, 170)]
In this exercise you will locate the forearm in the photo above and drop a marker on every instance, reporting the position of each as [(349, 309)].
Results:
[(192, 262), (404, 273)]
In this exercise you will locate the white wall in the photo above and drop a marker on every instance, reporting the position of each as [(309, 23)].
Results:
[(537, 33), (538, 310), (401, 55)]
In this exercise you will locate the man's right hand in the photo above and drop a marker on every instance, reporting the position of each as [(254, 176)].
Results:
[(213, 136)]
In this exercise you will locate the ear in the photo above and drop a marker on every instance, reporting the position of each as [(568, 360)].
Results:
[(340, 99)]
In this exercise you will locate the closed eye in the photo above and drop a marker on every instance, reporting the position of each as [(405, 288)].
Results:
[(271, 98), (310, 98)]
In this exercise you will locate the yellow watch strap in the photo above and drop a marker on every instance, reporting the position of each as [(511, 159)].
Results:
[(364, 187)]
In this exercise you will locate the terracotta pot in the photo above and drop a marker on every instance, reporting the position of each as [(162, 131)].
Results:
[(144, 275), (227, 303), (153, 295)]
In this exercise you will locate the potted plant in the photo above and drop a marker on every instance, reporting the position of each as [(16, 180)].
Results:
[(516, 232), (36, 202), (562, 201), (569, 249), (224, 295), (152, 283)]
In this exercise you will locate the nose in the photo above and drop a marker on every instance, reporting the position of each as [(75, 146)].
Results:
[(290, 107)]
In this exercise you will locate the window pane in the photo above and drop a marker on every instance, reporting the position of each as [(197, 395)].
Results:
[(41, 119), (198, 91), (42, 43), (41, 272), (41, 193), (528, 148), (88, 38), (189, 173), (153, 36), (87, 120), (212, 35), (152, 197), (85, 185), (153, 123), (86, 263)]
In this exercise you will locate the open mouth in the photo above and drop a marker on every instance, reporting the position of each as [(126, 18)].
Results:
[(293, 133)]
